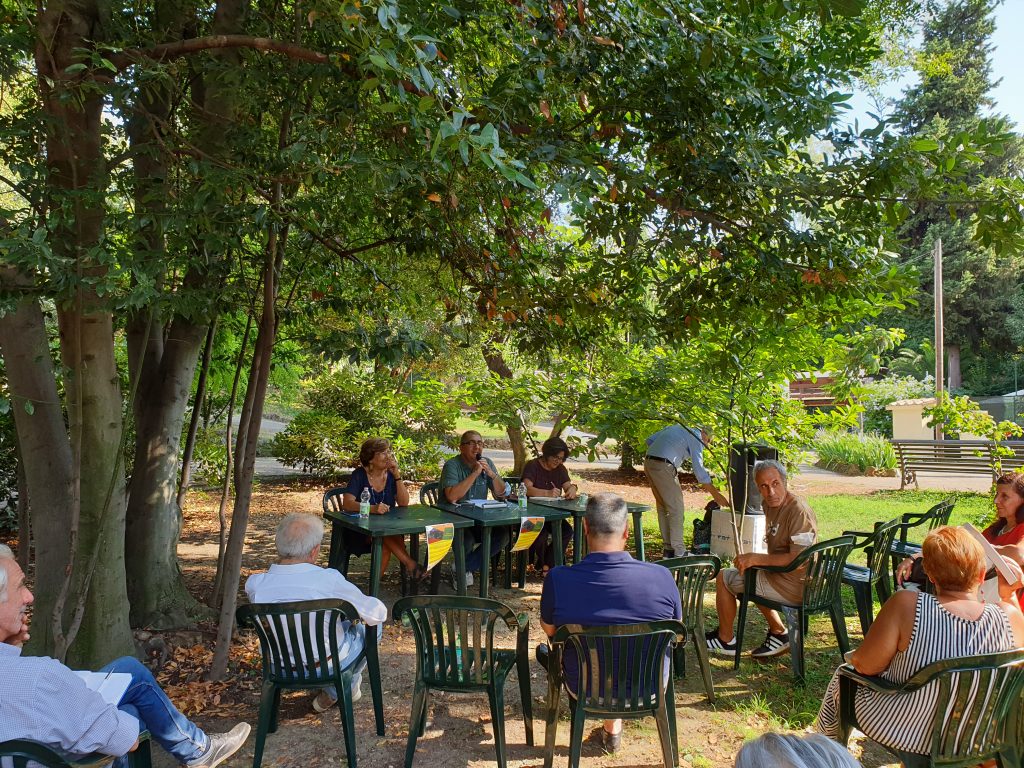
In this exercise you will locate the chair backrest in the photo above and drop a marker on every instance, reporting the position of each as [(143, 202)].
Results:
[(823, 571), (619, 668), (977, 705), (429, 492), (692, 575), (878, 546), (20, 752), (298, 640), (333, 499), (932, 519), (455, 638)]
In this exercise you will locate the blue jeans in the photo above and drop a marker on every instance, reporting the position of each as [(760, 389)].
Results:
[(146, 700), (356, 639), (475, 551)]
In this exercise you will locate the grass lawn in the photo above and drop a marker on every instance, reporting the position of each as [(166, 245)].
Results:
[(466, 422)]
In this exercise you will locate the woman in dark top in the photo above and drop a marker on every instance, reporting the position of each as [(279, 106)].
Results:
[(547, 476), (379, 472)]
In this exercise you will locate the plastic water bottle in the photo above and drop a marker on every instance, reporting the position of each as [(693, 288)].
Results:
[(364, 504), (521, 493)]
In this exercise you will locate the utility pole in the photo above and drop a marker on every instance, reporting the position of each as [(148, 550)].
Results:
[(939, 342)]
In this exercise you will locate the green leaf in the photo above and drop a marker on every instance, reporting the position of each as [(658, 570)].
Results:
[(924, 145), (79, 67), (707, 54), (29, 407)]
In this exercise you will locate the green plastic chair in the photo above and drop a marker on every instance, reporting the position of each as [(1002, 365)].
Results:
[(312, 627), (23, 751), (429, 493), (455, 652), (621, 674), (692, 575), (877, 545), (981, 694), (926, 521), (822, 581)]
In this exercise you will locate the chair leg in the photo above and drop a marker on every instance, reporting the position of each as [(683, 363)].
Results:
[(670, 706), (705, 664), (417, 721), (267, 699), (275, 711), (551, 721), (576, 736), (373, 671), (679, 660), (839, 626), (795, 620), (741, 621), (348, 722), (142, 757), (668, 751), (496, 698), (525, 695), (865, 605)]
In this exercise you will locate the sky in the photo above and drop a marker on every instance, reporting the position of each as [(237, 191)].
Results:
[(1007, 64)]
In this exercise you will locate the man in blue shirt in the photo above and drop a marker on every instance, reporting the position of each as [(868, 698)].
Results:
[(666, 450), (469, 476), (605, 588)]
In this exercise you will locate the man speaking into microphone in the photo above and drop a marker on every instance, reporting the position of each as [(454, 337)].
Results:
[(469, 476)]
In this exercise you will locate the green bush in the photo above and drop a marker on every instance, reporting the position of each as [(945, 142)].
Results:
[(879, 394), (209, 456), (346, 408), (845, 451)]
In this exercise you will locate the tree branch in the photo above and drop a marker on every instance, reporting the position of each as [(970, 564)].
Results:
[(166, 51)]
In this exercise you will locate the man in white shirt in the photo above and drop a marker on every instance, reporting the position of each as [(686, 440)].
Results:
[(42, 700), (296, 576)]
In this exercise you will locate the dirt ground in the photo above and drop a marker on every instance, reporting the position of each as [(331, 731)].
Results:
[(458, 731)]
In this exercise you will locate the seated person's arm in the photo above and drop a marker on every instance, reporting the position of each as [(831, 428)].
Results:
[(401, 493), (86, 723), (454, 492), (499, 488), (549, 629), (748, 559), (889, 633), (532, 490), (570, 490), (349, 502)]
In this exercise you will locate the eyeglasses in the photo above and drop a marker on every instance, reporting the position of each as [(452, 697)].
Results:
[(473, 442), (560, 458)]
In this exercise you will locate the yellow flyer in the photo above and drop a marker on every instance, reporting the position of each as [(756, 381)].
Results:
[(439, 541), (529, 530)]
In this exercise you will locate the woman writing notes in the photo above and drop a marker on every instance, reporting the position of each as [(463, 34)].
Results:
[(547, 477), (378, 472)]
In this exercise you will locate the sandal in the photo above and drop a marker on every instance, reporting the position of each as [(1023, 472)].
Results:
[(419, 573)]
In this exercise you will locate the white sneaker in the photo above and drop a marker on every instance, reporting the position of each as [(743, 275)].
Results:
[(469, 579), (222, 746)]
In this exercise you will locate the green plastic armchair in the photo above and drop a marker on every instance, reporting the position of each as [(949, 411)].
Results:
[(621, 674), (455, 651), (823, 574), (298, 641), (978, 714), (21, 752), (692, 575), (877, 545), (925, 522)]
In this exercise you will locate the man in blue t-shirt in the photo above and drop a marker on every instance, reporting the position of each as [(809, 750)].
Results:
[(605, 588)]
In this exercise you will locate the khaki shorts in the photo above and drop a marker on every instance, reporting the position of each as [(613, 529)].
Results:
[(733, 581)]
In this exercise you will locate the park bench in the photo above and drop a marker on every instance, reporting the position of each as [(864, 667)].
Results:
[(958, 457)]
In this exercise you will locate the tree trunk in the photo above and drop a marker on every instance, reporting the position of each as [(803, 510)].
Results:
[(626, 455), (193, 424), (156, 588), (99, 629), (255, 398), (24, 553), (953, 367), (45, 453), (517, 439)]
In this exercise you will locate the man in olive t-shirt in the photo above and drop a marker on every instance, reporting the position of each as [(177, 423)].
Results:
[(790, 527)]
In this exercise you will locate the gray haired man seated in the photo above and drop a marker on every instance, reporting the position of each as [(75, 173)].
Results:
[(790, 527), (296, 577), (42, 700)]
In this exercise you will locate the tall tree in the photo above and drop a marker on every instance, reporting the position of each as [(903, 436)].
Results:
[(953, 101)]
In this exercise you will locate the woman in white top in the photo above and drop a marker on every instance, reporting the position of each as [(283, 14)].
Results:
[(915, 629)]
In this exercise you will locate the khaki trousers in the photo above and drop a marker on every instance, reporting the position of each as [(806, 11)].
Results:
[(669, 498)]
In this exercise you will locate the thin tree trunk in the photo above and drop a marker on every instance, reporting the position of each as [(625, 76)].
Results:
[(953, 365), (193, 424), (516, 434), (222, 508), (255, 398), (24, 553)]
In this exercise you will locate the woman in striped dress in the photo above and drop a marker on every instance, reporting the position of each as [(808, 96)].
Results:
[(915, 629)]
